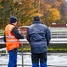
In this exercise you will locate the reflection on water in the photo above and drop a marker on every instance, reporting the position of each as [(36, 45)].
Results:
[(54, 60)]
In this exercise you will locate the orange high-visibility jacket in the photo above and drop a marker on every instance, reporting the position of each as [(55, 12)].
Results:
[(11, 41)]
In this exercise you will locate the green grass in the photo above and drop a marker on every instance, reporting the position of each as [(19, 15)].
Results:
[(57, 50), (51, 48), (1, 32)]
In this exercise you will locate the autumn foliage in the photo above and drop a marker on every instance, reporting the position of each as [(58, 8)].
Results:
[(48, 10)]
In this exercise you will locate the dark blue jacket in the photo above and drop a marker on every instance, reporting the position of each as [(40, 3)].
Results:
[(38, 35)]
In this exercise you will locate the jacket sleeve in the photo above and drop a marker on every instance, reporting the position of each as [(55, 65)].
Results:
[(48, 35), (4, 38), (17, 34), (27, 35)]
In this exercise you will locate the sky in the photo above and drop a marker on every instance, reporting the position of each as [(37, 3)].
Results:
[(65, 0)]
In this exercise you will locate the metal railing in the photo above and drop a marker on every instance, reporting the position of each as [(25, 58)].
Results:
[(22, 64), (58, 37), (26, 65), (18, 54)]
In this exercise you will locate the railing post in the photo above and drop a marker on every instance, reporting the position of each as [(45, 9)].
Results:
[(22, 54)]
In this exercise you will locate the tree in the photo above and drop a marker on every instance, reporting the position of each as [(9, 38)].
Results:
[(4, 12), (54, 15)]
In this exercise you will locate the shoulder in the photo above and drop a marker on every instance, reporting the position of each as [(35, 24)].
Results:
[(31, 26), (43, 25)]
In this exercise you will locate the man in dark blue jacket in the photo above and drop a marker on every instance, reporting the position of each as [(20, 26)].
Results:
[(38, 35)]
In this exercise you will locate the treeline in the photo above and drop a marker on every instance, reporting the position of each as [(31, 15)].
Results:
[(49, 11)]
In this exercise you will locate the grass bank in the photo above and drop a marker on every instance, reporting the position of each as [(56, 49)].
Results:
[(51, 48)]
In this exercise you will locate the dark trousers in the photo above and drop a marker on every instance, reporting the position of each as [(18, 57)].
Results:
[(41, 57)]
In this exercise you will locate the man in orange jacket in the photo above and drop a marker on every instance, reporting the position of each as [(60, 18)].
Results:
[(11, 37)]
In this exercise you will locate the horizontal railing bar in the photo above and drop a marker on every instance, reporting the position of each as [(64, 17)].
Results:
[(31, 65), (7, 64), (18, 53), (7, 53), (53, 40)]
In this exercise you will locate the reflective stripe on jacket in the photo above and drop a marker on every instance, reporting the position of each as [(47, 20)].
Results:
[(11, 41)]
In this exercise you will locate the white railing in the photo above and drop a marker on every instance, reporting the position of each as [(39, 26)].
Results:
[(52, 41), (22, 64)]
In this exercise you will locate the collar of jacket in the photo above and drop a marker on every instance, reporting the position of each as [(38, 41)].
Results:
[(12, 24), (36, 22)]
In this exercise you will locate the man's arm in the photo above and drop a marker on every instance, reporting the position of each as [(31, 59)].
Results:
[(27, 35), (48, 35), (4, 38), (17, 34)]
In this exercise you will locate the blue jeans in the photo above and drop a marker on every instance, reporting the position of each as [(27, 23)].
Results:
[(12, 58)]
